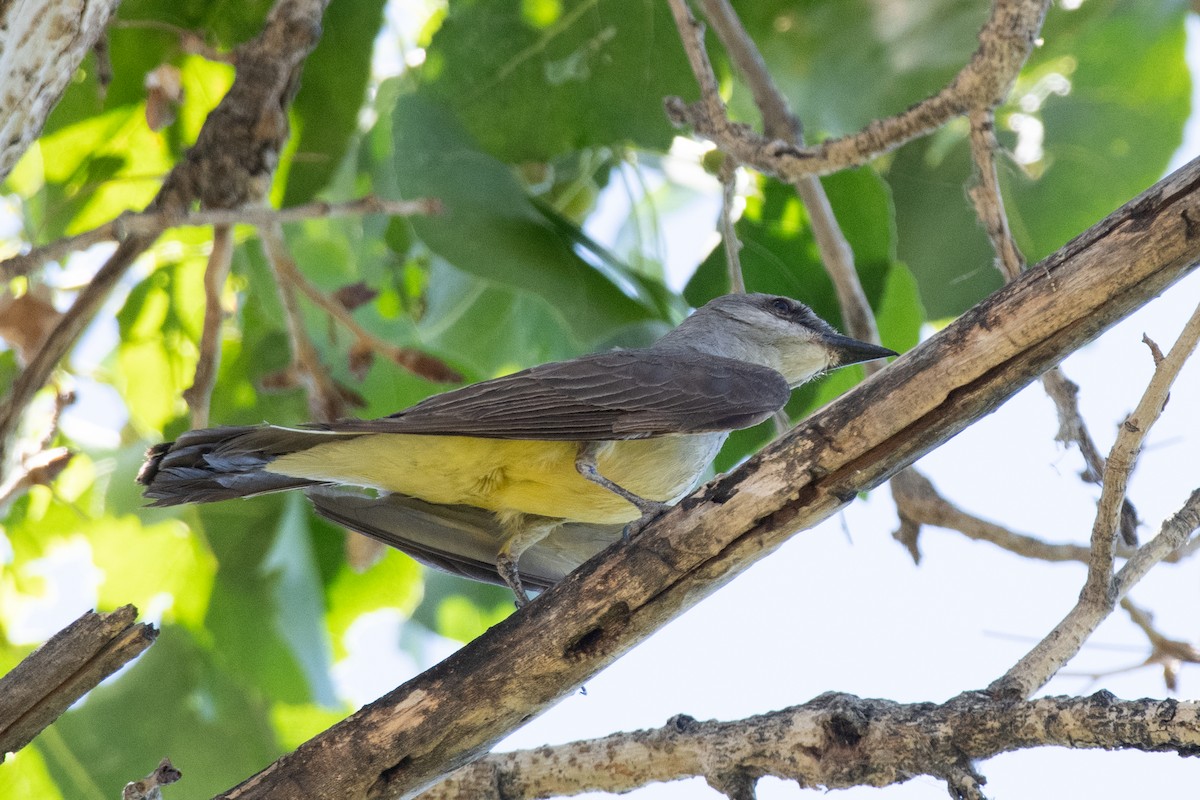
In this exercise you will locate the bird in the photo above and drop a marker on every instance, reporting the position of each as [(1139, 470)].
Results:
[(573, 450)]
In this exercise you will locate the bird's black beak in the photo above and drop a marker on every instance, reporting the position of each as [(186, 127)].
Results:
[(844, 351)]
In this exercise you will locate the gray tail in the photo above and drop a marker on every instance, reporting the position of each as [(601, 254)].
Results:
[(222, 463)]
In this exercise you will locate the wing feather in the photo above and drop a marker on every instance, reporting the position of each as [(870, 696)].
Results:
[(625, 394)]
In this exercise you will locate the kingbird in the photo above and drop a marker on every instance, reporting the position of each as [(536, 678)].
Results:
[(599, 441)]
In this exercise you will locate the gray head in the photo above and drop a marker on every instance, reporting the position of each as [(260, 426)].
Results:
[(773, 331)]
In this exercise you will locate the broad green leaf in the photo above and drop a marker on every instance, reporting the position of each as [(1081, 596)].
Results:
[(251, 583), (843, 63), (1111, 135), (160, 327), (529, 86), (490, 227), (159, 568), (291, 568), (779, 254), (1109, 91), (459, 618), (296, 724), (395, 581), (98, 167), (332, 89)]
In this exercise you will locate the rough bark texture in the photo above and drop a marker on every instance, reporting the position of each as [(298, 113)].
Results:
[(836, 741), (64, 669), (41, 45), (401, 744)]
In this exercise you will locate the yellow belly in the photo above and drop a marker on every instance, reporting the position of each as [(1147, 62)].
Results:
[(505, 475)]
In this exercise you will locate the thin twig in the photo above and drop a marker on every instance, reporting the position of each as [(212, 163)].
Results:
[(1170, 654), (419, 363), (985, 194), (1005, 42), (919, 503), (154, 223), (1071, 428), (1173, 537), (325, 400), (733, 245), (1102, 590), (199, 394)]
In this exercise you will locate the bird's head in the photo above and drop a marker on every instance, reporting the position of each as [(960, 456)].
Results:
[(773, 331)]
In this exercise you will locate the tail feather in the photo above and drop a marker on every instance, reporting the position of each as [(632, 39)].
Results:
[(222, 463)]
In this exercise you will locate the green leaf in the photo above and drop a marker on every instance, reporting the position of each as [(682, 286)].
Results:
[(291, 568), (843, 63), (779, 254), (96, 168), (332, 88), (252, 584), (1127, 94), (395, 581), (1112, 134), (160, 327), (596, 71), (490, 227)]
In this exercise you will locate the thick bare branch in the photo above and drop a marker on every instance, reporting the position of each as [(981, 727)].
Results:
[(836, 741), (408, 739), (64, 669)]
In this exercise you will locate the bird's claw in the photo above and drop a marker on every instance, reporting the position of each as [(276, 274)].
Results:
[(650, 512)]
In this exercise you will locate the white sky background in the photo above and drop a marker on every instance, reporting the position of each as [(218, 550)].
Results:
[(843, 608)]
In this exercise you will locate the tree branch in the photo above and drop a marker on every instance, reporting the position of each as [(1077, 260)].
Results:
[(199, 394), (1101, 591), (39, 689), (1005, 42), (409, 738), (835, 741)]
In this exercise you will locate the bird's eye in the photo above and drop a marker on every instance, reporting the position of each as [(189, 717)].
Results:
[(782, 306)]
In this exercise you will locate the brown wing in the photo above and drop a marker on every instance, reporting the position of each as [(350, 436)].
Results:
[(626, 394)]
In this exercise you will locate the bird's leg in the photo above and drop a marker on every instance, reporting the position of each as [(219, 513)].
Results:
[(585, 462), (524, 532)]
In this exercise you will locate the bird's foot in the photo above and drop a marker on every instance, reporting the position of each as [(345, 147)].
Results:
[(506, 565), (651, 510)]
